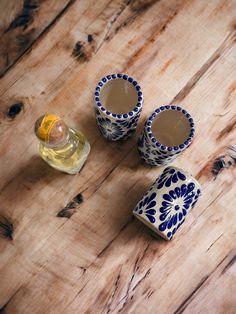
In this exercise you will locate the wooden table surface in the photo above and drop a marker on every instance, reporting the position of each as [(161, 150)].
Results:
[(101, 259)]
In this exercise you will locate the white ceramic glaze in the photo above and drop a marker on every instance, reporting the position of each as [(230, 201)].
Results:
[(168, 131), (118, 105), (166, 204)]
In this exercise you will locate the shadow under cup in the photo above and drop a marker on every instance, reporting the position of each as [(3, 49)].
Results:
[(118, 104), (167, 132)]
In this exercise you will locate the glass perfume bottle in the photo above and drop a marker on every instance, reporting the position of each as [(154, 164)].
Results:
[(62, 147)]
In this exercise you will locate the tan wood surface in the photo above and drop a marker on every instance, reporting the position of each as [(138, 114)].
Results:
[(101, 260)]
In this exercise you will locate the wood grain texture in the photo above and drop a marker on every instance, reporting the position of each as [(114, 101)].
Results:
[(100, 259), (22, 23)]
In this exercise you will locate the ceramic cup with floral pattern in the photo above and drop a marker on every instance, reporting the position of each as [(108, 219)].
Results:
[(166, 204), (168, 131), (118, 104)]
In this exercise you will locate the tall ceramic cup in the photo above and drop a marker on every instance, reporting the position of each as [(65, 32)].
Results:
[(166, 204), (118, 104), (168, 131)]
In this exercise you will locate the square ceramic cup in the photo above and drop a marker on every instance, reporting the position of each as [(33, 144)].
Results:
[(118, 104), (166, 204), (168, 131)]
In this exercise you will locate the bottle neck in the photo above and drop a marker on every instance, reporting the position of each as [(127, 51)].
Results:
[(59, 145)]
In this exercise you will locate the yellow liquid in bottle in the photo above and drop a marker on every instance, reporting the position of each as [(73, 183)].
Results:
[(71, 156)]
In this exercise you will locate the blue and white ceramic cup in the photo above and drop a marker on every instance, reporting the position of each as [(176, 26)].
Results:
[(168, 131), (118, 104), (166, 204)]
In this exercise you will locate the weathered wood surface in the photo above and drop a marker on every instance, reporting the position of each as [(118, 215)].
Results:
[(101, 260), (22, 23)]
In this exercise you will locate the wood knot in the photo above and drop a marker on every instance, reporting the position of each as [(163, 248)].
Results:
[(14, 110), (90, 38), (24, 40), (70, 208), (31, 4), (6, 228), (79, 51), (83, 51), (25, 17), (225, 161)]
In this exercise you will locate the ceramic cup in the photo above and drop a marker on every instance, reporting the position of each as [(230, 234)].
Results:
[(168, 131), (165, 206), (118, 104)]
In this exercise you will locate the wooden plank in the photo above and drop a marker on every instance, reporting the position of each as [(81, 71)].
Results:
[(215, 294), (75, 254), (22, 23), (149, 271)]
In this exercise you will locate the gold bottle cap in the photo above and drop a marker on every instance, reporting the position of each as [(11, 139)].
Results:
[(51, 129)]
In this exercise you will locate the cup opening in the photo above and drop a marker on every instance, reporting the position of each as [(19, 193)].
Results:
[(171, 128), (119, 96)]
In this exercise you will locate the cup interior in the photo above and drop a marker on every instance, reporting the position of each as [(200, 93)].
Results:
[(119, 96), (171, 128)]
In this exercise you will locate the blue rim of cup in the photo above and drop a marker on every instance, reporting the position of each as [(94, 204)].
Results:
[(137, 108), (148, 127)]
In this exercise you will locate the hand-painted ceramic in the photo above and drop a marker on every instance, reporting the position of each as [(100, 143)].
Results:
[(168, 131), (165, 206), (118, 104)]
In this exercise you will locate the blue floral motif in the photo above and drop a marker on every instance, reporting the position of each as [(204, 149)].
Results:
[(146, 206), (110, 130), (160, 159), (169, 176), (151, 161), (196, 197), (123, 129), (155, 153), (142, 141), (97, 112), (128, 134), (151, 154), (126, 122), (175, 206), (130, 123)]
